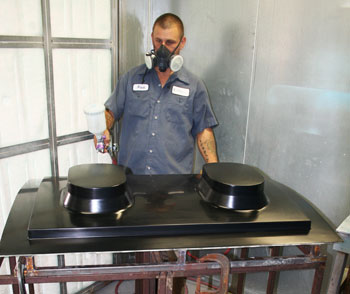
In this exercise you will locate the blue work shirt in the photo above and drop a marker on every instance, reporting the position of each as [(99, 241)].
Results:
[(160, 124)]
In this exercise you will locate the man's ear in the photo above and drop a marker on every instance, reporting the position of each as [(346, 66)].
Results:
[(183, 42)]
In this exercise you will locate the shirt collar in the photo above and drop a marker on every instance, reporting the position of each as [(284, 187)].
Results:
[(182, 76)]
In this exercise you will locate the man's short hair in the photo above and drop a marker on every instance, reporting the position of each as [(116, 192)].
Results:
[(167, 20)]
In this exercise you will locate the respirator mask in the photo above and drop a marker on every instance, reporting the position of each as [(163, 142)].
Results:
[(163, 58)]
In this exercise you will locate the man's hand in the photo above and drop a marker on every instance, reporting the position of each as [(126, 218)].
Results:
[(106, 140), (106, 135)]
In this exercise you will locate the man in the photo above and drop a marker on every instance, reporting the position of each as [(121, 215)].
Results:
[(163, 112)]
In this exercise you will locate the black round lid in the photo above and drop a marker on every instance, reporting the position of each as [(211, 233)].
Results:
[(226, 176), (96, 188), (233, 186), (96, 175)]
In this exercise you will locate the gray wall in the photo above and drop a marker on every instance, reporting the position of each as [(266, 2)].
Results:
[(278, 74)]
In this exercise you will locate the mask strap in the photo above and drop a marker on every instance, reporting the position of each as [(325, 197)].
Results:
[(144, 75), (172, 53)]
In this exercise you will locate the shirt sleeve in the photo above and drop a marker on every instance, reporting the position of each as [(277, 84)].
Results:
[(116, 101), (203, 115)]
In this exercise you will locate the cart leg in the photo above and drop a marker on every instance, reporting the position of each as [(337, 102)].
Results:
[(241, 277), (12, 260), (318, 277), (337, 272), (271, 282), (146, 286)]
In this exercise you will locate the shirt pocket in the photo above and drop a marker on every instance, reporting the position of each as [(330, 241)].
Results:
[(138, 105), (178, 110)]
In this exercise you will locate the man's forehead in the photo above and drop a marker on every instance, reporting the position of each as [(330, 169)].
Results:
[(172, 31)]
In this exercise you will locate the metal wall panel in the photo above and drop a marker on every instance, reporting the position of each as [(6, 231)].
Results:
[(299, 115), (133, 31), (299, 126)]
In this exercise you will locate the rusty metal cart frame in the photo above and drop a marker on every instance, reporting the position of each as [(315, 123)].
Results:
[(24, 270)]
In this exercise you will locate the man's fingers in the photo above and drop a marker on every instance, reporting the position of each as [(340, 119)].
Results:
[(106, 140)]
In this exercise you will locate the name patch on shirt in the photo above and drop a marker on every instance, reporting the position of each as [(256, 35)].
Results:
[(181, 91), (140, 87)]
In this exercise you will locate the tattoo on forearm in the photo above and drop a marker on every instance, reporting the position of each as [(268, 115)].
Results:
[(208, 148), (204, 150)]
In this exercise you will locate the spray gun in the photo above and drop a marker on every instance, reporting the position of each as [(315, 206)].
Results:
[(95, 116)]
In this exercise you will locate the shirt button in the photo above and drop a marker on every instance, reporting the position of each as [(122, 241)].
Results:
[(151, 151), (155, 117), (148, 167), (153, 134), (158, 101)]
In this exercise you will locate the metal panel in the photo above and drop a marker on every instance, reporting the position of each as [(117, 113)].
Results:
[(21, 42), (133, 33), (299, 126), (18, 244), (81, 43), (299, 117)]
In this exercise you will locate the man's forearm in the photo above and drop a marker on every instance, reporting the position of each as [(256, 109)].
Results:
[(207, 146), (109, 119)]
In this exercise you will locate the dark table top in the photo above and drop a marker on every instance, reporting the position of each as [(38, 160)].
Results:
[(15, 236)]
